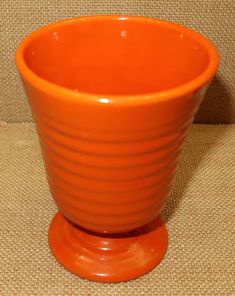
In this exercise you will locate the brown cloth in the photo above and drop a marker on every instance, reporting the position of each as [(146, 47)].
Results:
[(200, 217), (213, 18)]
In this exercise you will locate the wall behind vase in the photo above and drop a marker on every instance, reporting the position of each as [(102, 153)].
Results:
[(213, 18)]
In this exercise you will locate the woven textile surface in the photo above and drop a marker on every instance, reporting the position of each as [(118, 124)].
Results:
[(213, 18), (199, 216)]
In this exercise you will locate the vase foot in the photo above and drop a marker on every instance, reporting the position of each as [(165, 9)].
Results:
[(107, 257)]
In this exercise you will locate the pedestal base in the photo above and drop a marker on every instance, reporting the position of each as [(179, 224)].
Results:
[(107, 257)]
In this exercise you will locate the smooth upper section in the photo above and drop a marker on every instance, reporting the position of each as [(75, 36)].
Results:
[(117, 59)]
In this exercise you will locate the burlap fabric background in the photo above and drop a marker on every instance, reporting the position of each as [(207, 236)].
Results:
[(214, 18), (200, 219), (201, 210)]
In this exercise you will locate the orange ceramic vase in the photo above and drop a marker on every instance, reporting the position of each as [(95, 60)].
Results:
[(112, 98)]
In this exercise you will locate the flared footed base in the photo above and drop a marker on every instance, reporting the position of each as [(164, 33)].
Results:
[(107, 257)]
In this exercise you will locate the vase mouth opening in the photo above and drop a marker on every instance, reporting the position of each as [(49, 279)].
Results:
[(116, 59)]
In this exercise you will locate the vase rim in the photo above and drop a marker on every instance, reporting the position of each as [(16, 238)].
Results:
[(130, 99)]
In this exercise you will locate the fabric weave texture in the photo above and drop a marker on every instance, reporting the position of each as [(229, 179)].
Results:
[(199, 217), (213, 18)]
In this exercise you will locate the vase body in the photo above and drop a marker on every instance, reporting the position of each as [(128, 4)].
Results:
[(111, 145)]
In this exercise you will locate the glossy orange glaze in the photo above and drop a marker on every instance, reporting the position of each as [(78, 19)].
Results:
[(113, 98)]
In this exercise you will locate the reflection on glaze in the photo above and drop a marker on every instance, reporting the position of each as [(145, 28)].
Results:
[(55, 36), (104, 100), (123, 33)]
